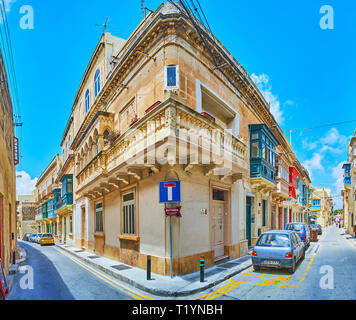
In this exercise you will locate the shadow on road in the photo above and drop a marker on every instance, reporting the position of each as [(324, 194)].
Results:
[(47, 282)]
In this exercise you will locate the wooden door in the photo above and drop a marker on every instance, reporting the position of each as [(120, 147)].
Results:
[(248, 220), (218, 228), (280, 219)]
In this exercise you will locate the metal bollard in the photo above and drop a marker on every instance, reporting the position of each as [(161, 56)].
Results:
[(202, 263), (148, 267)]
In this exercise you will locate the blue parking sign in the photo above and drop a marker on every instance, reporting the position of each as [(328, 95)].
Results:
[(169, 191)]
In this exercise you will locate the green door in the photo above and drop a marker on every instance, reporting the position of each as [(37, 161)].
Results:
[(248, 220)]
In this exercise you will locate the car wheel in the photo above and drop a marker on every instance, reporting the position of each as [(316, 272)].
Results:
[(292, 269), (256, 268), (303, 256)]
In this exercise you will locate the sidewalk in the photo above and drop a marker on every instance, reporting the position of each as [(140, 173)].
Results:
[(22, 257), (160, 285), (348, 236)]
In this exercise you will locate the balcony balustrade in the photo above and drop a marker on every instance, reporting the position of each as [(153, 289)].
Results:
[(65, 200), (173, 123)]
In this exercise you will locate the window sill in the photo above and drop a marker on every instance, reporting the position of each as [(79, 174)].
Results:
[(126, 237)]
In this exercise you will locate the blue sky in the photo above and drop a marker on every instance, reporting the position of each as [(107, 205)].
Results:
[(305, 72)]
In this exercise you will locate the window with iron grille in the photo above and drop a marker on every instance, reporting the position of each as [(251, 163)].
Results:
[(99, 217), (128, 211)]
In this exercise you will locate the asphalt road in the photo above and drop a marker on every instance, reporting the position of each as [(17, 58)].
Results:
[(327, 273), (59, 277)]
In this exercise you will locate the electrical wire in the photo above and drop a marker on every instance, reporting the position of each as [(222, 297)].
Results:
[(8, 57), (322, 126), (206, 20), (8, 52)]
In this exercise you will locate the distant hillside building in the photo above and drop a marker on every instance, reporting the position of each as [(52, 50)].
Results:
[(26, 212)]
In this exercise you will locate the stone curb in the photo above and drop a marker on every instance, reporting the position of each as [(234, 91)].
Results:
[(157, 291)]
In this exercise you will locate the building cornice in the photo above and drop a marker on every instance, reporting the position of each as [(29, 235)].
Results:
[(52, 164)]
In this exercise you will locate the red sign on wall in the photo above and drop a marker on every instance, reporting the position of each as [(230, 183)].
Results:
[(16, 151), (173, 212)]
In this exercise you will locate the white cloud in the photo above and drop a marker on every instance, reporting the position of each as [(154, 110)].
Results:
[(314, 164), (331, 150), (24, 184), (309, 145), (338, 175), (262, 83), (333, 137)]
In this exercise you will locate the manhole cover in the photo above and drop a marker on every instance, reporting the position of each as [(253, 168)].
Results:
[(94, 257), (121, 267)]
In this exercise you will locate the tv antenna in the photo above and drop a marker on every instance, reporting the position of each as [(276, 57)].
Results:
[(105, 25)]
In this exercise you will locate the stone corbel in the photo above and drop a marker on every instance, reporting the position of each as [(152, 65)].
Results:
[(137, 174), (105, 187), (114, 183), (123, 178)]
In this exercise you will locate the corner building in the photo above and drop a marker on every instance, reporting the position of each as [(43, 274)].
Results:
[(155, 108)]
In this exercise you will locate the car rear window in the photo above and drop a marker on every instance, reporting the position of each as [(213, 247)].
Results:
[(274, 240), (295, 227), (47, 236)]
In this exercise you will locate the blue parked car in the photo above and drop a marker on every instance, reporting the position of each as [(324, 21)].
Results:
[(33, 237), (302, 229), (278, 249)]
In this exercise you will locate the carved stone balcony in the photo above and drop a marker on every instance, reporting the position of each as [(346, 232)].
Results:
[(171, 133), (281, 191)]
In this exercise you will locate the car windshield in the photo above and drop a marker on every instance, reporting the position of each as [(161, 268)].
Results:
[(273, 240), (295, 227)]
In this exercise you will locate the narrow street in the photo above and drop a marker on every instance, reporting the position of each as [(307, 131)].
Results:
[(59, 277), (332, 250)]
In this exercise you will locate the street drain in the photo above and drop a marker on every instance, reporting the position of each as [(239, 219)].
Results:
[(94, 257), (121, 267), (79, 251)]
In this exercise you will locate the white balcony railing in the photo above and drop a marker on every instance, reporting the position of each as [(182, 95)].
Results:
[(172, 122)]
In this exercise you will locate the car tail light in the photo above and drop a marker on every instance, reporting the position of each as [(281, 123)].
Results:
[(254, 253), (289, 254)]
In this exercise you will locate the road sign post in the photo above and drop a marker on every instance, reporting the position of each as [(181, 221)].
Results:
[(169, 192)]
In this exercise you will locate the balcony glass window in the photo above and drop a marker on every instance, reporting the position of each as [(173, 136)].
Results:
[(97, 83), (255, 150), (87, 101), (316, 202)]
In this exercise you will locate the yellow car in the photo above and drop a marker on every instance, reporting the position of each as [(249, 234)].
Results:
[(46, 238)]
